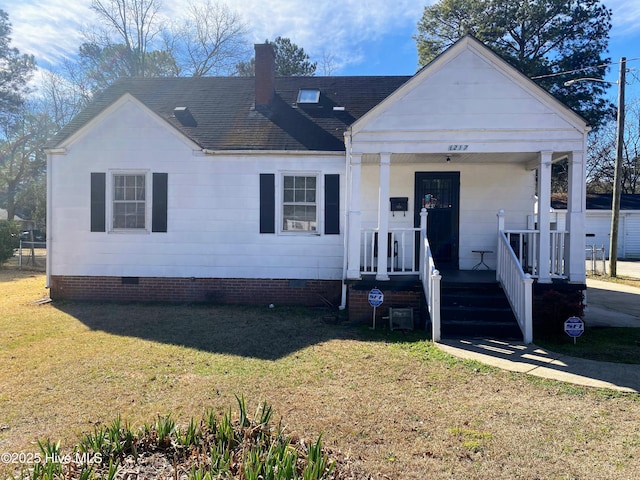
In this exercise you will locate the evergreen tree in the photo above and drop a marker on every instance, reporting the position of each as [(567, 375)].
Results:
[(539, 37)]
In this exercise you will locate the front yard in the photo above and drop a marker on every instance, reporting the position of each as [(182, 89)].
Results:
[(396, 405)]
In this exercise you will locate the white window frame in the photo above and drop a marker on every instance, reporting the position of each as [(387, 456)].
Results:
[(318, 203), (111, 200)]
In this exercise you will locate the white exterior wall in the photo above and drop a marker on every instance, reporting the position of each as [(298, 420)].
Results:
[(468, 97), (213, 208), (598, 223), (484, 189), (494, 124)]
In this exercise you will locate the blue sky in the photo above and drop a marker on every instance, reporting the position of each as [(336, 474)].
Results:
[(365, 37)]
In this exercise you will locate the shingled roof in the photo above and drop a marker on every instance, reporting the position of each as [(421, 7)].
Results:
[(599, 201), (226, 117)]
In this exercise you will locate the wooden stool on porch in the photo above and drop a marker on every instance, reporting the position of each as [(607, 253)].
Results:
[(481, 263)]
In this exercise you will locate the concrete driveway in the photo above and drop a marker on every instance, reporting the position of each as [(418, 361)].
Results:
[(613, 304)]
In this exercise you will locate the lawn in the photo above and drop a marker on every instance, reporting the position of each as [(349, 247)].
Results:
[(395, 404), (604, 344)]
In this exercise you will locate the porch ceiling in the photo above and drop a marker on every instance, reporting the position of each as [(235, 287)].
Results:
[(462, 157)]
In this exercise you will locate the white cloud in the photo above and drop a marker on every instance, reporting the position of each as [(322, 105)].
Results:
[(343, 28), (626, 16), (51, 29), (48, 29)]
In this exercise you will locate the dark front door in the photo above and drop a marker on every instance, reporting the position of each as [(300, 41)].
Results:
[(439, 193)]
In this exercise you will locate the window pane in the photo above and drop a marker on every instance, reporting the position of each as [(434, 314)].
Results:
[(299, 218), (310, 196), (300, 196), (299, 212), (140, 188), (128, 202), (310, 182), (288, 182)]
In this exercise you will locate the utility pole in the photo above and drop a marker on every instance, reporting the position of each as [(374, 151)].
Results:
[(617, 176)]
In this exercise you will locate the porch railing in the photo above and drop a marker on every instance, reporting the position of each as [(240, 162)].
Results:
[(526, 246), (430, 278), (517, 285), (401, 251)]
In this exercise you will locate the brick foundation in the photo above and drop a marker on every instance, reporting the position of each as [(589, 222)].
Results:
[(213, 290), (360, 310)]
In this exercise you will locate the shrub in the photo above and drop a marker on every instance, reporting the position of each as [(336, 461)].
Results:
[(216, 447), (9, 239), (552, 308)]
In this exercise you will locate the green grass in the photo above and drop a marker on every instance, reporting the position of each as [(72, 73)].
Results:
[(631, 281), (387, 403), (618, 345)]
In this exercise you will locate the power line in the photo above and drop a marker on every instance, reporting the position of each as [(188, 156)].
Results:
[(582, 69)]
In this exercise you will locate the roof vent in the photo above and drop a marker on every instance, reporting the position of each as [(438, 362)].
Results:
[(184, 116)]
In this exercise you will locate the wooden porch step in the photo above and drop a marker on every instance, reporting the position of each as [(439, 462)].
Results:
[(476, 308)]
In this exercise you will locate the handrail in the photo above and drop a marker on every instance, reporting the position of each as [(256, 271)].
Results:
[(431, 279), (517, 285)]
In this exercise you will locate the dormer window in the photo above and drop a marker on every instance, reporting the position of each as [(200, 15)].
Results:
[(309, 96)]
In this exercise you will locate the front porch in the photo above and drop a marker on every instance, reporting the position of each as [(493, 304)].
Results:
[(466, 139), (451, 302)]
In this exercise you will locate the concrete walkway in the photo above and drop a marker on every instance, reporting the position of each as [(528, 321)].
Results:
[(609, 304)]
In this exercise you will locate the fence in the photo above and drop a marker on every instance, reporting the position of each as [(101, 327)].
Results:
[(596, 258), (32, 256)]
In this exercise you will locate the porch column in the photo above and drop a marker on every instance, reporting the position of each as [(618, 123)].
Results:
[(576, 209), (544, 217), (353, 240), (383, 216)]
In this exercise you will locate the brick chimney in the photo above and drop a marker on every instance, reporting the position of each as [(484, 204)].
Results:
[(265, 71)]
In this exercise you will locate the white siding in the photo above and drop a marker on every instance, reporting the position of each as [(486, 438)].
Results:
[(468, 97), (484, 190), (632, 235), (598, 228), (213, 208)]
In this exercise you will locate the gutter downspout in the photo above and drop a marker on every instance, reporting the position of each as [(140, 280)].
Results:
[(49, 261), (49, 243), (347, 156)]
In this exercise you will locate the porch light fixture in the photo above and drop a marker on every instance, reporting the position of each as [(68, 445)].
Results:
[(448, 159), (617, 175)]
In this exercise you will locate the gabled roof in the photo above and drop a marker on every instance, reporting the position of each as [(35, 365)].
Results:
[(468, 43), (599, 201), (226, 119)]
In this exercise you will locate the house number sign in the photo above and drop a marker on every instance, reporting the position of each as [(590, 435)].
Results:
[(458, 148)]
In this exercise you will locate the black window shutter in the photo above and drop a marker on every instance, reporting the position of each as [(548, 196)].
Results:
[(159, 207), (332, 204), (267, 203), (98, 202)]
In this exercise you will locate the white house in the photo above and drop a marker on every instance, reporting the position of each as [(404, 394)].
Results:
[(283, 190), (598, 222)]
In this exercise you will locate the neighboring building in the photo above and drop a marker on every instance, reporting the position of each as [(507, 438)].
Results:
[(277, 190), (4, 215), (598, 222)]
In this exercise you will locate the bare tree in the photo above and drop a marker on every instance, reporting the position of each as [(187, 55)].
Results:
[(135, 24), (211, 41), (21, 157), (602, 152), (60, 98), (327, 63)]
